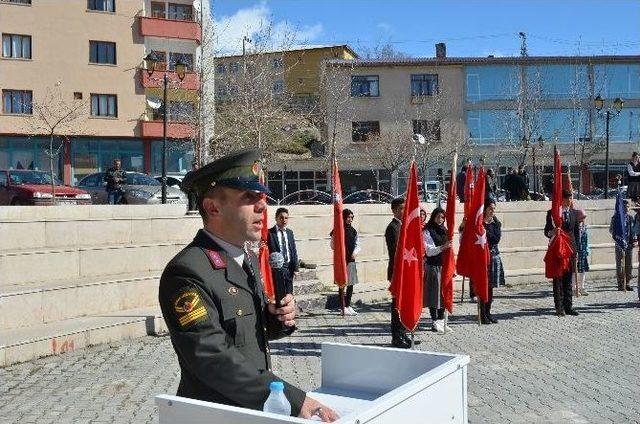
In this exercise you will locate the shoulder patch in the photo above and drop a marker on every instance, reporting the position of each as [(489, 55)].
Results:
[(189, 308), (216, 260)]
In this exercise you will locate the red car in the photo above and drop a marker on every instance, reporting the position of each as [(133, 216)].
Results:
[(27, 187)]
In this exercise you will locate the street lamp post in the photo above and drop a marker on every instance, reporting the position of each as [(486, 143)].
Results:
[(618, 104), (151, 59), (536, 181)]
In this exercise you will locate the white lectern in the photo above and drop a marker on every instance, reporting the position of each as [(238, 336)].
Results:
[(363, 384)]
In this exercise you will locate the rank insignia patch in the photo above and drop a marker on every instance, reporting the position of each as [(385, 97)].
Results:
[(189, 308)]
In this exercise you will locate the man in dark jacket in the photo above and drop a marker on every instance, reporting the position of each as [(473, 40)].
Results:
[(115, 177), (213, 300), (399, 336), (281, 239), (461, 179), (562, 287)]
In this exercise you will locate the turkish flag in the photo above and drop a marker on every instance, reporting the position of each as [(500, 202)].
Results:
[(474, 249), (448, 256), (339, 253), (557, 260), (263, 255), (407, 283)]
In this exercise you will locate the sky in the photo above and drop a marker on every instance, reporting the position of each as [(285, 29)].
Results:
[(469, 27)]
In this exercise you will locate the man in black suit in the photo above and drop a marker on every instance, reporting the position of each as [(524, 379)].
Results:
[(398, 332), (281, 240), (562, 293)]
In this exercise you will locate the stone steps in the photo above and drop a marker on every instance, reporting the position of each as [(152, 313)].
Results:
[(20, 345)]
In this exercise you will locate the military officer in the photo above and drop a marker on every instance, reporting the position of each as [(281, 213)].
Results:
[(212, 297)]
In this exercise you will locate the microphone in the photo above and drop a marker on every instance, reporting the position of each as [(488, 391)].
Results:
[(276, 261)]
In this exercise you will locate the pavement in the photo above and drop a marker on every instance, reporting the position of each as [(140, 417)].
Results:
[(531, 367)]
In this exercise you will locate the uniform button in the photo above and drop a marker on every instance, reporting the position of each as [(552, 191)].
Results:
[(233, 291), (239, 312)]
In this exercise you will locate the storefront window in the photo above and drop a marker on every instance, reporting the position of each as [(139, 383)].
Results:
[(29, 153), (180, 155), (92, 155)]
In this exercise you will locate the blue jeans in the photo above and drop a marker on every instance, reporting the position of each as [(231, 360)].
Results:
[(115, 196)]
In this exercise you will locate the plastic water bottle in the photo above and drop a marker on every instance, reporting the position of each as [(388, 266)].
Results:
[(277, 402)]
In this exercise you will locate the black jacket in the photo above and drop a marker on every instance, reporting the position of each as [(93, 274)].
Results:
[(391, 238), (274, 246), (494, 234), (115, 178), (216, 315), (570, 226)]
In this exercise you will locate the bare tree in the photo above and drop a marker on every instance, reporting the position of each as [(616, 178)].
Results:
[(382, 50), (58, 118)]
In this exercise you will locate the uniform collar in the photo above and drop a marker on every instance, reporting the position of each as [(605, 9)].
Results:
[(234, 252)]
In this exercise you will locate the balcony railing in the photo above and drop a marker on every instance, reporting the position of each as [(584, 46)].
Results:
[(191, 80), (153, 129), (169, 28)]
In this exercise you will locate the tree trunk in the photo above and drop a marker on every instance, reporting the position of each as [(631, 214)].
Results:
[(53, 183)]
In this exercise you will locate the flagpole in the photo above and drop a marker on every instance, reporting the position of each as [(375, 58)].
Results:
[(412, 339), (341, 294), (446, 320), (479, 319), (462, 295)]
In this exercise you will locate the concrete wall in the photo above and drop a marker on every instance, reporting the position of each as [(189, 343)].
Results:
[(43, 245)]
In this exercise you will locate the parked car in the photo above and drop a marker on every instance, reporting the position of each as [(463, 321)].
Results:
[(28, 187), (173, 180), (140, 189)]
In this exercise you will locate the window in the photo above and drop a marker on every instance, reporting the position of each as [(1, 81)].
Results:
[(77, 95), (277, 63), (430, 129), (102, 5), (16, 46), (17, 1), (221, 91), (492, 82), (424, 85), (180, 12), (104, 105), (278, 87), (364, 130), (234, 67), (185, 58), (158, 10), (102, 52), (221, 69), (181, 111), (161, 64), (17, 101), (3, 179), (364, 86)]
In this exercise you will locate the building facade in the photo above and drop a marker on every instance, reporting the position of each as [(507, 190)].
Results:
[(88, 55), (507, 111)]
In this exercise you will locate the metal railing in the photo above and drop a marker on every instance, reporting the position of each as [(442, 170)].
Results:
[(368, 196), (306, 197)]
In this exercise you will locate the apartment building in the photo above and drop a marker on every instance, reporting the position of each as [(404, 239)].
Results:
[(91, 53), (503, 109)]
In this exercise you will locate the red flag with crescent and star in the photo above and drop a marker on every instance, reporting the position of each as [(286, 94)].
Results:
[(474, 249), (557, 260), (263, 254), (339, 253), (448, 256), (407, 283)]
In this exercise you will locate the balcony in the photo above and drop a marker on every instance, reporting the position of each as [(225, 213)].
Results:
[(153, 129), (169, 28), (191, 80)]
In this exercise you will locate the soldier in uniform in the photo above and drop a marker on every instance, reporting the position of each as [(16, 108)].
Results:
[(213, 301), (399, 336)]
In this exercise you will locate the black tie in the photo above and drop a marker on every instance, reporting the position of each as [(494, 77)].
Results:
[(285, 251)]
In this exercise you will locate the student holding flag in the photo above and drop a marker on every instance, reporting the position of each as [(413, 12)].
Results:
[(563, 231), (493, 227), (436, 241)]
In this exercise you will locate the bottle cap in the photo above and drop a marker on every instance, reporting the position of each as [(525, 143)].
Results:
[(277, 386)]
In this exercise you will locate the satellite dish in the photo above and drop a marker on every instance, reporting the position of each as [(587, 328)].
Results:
[(419, 138), (154, 103)]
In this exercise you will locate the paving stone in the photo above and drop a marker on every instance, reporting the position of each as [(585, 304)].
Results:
[(531, 367)]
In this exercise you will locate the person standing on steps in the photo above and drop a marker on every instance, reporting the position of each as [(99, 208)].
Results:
[(352, 249), (493, 228)]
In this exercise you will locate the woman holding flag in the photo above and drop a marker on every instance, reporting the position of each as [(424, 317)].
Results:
[(493, 228), (436, 241)]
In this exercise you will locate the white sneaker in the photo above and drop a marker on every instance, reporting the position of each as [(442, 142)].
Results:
[(439, 326), (348, 311), (352, 311), (449, 329)]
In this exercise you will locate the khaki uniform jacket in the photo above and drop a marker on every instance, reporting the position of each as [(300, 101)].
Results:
[(219, 325)]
